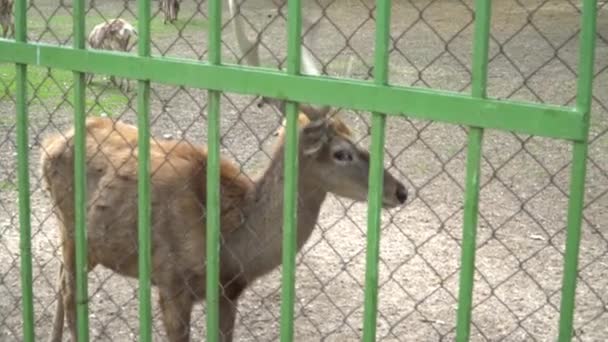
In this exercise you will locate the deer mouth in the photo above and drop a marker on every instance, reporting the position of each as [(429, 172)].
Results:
[(394, 202), (391, 204)]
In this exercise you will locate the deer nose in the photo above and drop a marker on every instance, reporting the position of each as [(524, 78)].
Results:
[(401, 193)]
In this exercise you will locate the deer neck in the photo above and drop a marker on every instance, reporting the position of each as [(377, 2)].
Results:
[(260, 240), (269, 193)]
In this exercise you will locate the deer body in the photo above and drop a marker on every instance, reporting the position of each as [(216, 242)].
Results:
[(251, 213), (115, 35)]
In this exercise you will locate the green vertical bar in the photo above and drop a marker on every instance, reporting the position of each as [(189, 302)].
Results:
[(376, 174), (290, 189), (23, 179), (575, 212), (82, 314), (143, 181), (578, 171), (213, 178), (483, 12), (469, 234)]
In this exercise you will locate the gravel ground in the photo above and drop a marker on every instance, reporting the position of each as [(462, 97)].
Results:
[(524, 179)]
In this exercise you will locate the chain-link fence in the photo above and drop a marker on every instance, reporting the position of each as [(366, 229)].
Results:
[(533, 56)]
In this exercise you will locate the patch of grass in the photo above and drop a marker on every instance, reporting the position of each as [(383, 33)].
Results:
[(61, 24), (53, 88), (194, 24)]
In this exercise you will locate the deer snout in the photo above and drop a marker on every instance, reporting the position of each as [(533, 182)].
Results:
[(395, 193), (401, 193)]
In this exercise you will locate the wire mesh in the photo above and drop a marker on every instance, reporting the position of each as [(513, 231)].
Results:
[(533, 56)]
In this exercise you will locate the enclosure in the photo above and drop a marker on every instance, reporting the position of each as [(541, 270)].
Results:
[(533, 57)]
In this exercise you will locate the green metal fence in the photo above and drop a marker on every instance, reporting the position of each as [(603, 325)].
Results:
[(476, 110)]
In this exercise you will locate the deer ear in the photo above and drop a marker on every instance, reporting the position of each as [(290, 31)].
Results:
[(314, 136)]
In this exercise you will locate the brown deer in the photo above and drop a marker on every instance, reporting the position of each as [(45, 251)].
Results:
[(251, 211), (6, 18), (116, 35), (170, 8)]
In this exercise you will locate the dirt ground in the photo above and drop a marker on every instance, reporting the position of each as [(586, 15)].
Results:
[(524, 179)]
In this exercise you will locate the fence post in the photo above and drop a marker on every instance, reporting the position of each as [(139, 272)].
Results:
[(25, 243), (80, 181), (213, 178), (483, 12), (376, 173), (290, 187), (578, 170), (143, 179)]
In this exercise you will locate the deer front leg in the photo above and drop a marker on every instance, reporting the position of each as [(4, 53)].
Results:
[(175, 9), (176, 308), (124, 85), (228, 304), (68, 290), (88, 79), (58, 319), (120, 83), (227, 318), (113, 81), (5, 28), (165, 9), (68, 287)]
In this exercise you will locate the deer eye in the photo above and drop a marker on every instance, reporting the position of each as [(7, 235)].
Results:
[(343, 156)]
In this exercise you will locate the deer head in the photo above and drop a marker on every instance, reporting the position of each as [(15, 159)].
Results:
[(342, 168), (332, 159)]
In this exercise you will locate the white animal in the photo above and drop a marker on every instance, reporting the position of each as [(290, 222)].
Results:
[(115, 34)]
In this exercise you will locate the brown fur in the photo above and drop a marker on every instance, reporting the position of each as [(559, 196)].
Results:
[(303, 120), (251, 213), (6, 18)]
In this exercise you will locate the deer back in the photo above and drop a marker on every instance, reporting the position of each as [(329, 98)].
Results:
[(178, 189)]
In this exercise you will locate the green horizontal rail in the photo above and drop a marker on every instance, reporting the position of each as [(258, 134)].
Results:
[(442, 106)]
